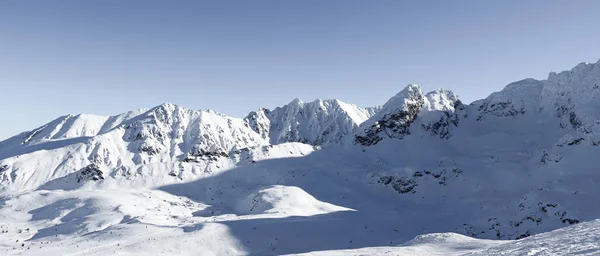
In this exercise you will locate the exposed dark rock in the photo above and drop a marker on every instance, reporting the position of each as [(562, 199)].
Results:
[(443, 126), (457, 172), (521, 236), (499, 109), (471, 231), (575, 142), (574, 120), (550, 158), (371, 138), (200, 154), (515, 223), (90, 172), (544, 207), (150, 150), (394, 125), (570, 221), (534, 219), (402, 185)]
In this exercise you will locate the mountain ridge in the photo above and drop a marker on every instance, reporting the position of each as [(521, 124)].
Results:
[(516, 163)]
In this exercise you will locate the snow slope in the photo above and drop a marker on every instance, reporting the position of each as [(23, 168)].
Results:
[(339, 178), (580, 239)]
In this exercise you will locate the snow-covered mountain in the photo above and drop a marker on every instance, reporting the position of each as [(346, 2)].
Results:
[(167, 135), (436, 112), (317, 123), (517, 163)]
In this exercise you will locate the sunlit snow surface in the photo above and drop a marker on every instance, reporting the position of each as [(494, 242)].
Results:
[(423, 174)]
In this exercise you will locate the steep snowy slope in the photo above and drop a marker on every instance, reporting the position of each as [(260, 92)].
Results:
[(581, 239), (517, 163)]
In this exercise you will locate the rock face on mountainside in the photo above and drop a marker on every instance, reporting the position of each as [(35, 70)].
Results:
[(319, 122), (90, 172), (437, 112), (519, 162)]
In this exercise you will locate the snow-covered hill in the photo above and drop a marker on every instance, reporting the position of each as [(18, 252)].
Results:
[(330, 174)]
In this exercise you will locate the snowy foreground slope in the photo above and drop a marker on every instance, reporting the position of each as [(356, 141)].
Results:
[(317, 178)]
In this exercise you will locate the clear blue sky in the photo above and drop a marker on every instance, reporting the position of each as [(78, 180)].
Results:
[(107, 57)]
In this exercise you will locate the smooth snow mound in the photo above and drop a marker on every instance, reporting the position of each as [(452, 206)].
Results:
[(287, 200), (439, 238)]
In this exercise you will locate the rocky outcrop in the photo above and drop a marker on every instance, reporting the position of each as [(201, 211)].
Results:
[(514, 100), (259, 122), (437, 112), (443, 111), (443, 127), (394, 119), (186, 134), (91, 172)]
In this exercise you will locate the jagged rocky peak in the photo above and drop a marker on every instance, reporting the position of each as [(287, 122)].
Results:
[(442, 112), (176, 131), (411, 95), (153, 131), (259, 122), (573, 96), (583, 75), (394, 119), (442, 100), (317, 123), (436, 111), (168, 113)]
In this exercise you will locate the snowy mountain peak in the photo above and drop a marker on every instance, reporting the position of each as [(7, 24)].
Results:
[(569, 95), (442, 100), (434, 109), (317, 123), (577, 75), (167, 106), (410, 92), (296, 101), (411, 95), (259, 122)]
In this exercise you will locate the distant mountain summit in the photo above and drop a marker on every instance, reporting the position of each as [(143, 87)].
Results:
[(319, 122)]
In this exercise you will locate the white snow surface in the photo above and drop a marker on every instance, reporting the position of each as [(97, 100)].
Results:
[(423, 174)]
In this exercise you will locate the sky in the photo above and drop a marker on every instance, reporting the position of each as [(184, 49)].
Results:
[(108, 57)]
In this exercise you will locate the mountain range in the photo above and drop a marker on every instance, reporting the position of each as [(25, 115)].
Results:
[(309, 176)]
